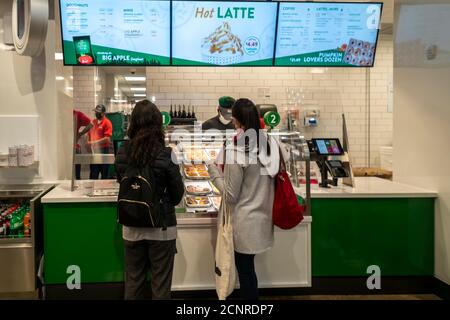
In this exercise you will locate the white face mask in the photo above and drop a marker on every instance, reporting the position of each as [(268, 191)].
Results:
[(223, 120)]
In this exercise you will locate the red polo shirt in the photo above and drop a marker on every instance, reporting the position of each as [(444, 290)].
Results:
[(81, 121), (101, 129)]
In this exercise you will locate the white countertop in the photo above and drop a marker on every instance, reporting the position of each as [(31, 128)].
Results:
[(370, 187), (366, 187), (62, 194)]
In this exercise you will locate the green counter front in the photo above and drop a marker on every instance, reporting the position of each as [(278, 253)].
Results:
[(86, 235), (349, 233)]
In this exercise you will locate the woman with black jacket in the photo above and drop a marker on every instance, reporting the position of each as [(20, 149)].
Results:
[(150, 249)]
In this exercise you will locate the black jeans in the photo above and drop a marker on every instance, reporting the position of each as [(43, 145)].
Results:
[(100, 169), (77, 166), (97, 170), (154, 256), (245, 265)]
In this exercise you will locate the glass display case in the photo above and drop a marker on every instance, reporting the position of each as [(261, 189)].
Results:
[(195, 150)]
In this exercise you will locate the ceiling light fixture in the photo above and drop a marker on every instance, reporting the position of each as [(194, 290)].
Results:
[(135, 79)]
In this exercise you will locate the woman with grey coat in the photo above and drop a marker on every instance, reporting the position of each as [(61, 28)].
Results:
[(251, 163)]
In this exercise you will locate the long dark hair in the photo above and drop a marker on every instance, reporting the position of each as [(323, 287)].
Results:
[(245, 111), (146, 134)]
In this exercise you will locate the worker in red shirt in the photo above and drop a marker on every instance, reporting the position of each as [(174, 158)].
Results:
[(81, 120), (100, 140)]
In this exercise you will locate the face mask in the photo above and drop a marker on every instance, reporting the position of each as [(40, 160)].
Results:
[(99, 116), (239, 133), (223, 120)]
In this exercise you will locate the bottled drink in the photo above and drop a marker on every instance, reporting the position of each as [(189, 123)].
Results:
[(171, 112), (193, 113), (2, 227), (16, 223), (27, 224), (183, 114), (179, 111), (189, 115)]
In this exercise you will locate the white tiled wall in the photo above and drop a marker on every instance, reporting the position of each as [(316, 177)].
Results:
[(88, 88), (333, 92), (84, 89)]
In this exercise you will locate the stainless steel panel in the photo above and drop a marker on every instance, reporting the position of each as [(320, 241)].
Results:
[(19, 257), (17, 272)]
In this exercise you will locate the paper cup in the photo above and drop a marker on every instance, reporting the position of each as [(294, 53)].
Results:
[(88, 187)]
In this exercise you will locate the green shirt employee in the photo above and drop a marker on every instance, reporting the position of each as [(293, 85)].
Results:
[(223, 119)]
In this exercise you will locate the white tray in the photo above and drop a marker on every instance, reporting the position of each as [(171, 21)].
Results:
[(205, 157), (194, 177), (198, 206), (202, 184)]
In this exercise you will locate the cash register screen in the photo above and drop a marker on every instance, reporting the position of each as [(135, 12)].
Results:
[(328, 147)]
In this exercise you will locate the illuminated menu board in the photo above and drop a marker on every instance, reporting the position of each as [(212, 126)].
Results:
[(127, 32), (327, 34), (223, 33)]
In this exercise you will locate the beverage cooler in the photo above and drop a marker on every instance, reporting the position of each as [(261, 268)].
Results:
[(21, 238)]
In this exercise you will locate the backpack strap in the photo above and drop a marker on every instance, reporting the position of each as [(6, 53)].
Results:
[(148, 172)]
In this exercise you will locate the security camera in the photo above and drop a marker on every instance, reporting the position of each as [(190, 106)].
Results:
[(133, 71)]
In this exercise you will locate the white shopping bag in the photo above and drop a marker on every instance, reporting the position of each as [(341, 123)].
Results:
[(225, 268)]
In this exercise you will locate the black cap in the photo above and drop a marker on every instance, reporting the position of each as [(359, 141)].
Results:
[(100, 108)]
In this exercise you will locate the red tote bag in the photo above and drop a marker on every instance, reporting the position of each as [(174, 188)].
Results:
[(287, 212)]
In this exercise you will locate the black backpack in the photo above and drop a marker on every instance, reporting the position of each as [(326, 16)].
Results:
[(138, 202)]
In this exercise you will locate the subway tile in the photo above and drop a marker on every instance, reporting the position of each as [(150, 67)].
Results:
[(211, 76), (174, 76), (168, 89), (254, 83), (273, 83), (237, 83), (162, 83), (218, 83), (249, 76), (199, 83), (229, 76), (285, 76), (206, 69), (193, 76)]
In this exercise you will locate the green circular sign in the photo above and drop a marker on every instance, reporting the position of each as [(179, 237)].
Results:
[(272, 119), (166, 119)]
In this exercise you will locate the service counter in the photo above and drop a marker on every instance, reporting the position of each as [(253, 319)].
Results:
[(377, 223)]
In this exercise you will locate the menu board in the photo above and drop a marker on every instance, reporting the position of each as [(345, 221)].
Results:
[(223, 33), (111, 32), (327, 34)]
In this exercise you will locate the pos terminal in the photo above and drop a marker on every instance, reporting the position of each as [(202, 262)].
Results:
[(326, 153)]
